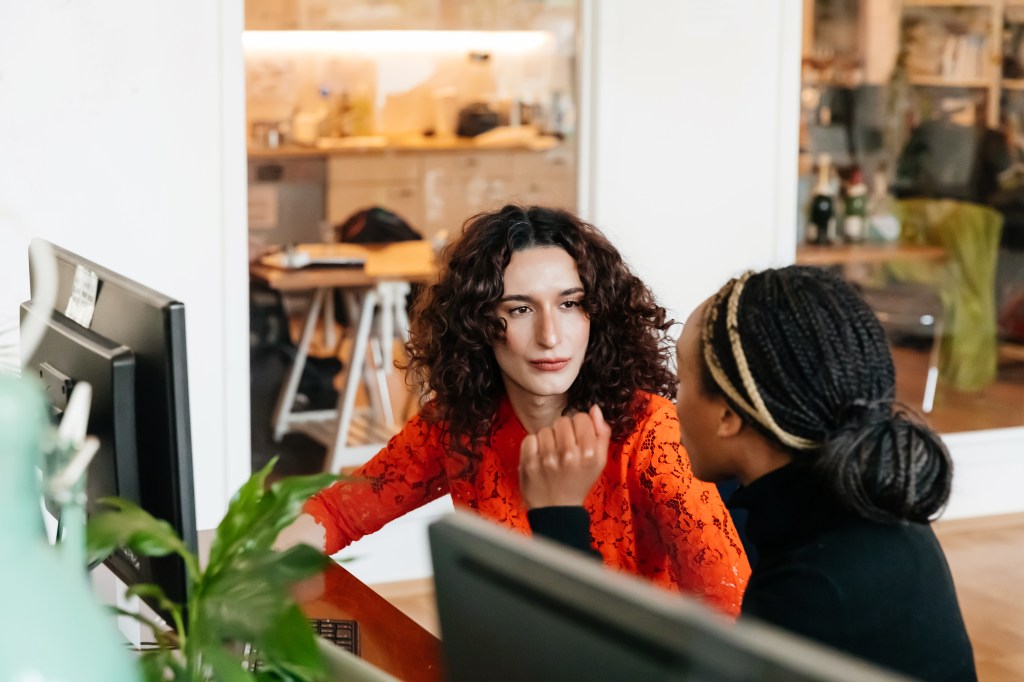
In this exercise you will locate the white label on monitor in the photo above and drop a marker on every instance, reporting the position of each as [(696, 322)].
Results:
[(82, 303)]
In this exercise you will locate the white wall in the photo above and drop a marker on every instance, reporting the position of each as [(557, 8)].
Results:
[(688, 162), (123, 129), (692, 146), (692, 138)]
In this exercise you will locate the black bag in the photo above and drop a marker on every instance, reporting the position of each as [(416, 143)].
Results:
[(375, 225)]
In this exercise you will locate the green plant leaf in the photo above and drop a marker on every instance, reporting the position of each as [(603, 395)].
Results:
[(158, 665), (225, 666), (130, 526), (164, 638), (243, 594), (259, 580), (290, 648), (256, 515), (154, 592)]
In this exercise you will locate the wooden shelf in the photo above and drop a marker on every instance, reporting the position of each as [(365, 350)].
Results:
[(1013, 83), (944, 82), (947, 3)]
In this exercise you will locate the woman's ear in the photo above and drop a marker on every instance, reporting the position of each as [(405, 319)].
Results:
[(729, 422)]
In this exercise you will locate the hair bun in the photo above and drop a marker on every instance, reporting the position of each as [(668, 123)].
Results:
[(886, 465)]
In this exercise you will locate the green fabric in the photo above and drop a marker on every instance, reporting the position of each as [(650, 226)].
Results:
[(966, 283)]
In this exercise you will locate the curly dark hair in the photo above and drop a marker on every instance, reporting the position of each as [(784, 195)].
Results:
[(455, 325)]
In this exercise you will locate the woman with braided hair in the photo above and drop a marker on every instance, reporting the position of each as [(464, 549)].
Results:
[(535, 319), (786, 382)]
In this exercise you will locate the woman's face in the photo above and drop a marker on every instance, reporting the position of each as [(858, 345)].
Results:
[(699, 414), (546, 329)]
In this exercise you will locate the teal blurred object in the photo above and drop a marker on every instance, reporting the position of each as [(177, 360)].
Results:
[(51, 628)]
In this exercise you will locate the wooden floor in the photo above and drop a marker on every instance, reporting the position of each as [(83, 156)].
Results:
[(985, 555), (996, 406)]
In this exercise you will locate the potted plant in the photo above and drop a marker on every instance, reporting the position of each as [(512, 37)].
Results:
[(240, 597)]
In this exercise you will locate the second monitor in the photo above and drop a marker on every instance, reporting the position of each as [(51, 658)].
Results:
[(515, 608), (132, 351)]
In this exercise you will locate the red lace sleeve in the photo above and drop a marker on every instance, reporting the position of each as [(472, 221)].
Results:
[(687, 516), (408, 473)]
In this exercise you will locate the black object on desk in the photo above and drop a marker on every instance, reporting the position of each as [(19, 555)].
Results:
[(342, 633)]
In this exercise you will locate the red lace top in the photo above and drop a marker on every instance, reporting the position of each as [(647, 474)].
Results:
[(648, 514)]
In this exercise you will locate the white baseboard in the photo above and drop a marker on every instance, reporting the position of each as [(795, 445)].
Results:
[(988, 473)]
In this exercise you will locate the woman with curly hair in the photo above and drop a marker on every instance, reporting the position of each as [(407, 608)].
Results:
[(536, 317)]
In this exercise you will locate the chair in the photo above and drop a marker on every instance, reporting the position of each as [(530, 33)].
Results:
[(965, 285)]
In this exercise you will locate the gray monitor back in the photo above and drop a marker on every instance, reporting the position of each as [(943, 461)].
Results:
[(515, 608)]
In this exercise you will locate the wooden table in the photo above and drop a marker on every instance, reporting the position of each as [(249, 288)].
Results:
[(388, 638), (411, 261), (859, 254), (366, 289)]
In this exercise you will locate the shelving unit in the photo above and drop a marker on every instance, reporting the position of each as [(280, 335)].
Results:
[(977, 30), (951, 46)]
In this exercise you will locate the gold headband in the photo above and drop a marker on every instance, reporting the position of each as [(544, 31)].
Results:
[(758, 411)]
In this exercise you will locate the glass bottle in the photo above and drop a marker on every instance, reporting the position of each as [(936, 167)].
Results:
[(821, 226), (856, 209), (883, 224)]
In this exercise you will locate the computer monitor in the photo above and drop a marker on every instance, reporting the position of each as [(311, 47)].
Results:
[(68, 354), (518, 608), (133, 354)]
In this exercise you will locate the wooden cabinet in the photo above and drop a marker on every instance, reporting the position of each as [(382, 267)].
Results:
[(389, 180), (346, 15), (545, 178), (436, 191)]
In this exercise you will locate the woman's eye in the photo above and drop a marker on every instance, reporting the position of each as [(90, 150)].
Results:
[(572, 304), (519, 310)]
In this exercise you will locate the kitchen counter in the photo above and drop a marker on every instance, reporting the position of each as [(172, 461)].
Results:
[(379, 144)]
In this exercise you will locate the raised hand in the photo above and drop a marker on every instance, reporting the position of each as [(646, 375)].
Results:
[(559, 464)]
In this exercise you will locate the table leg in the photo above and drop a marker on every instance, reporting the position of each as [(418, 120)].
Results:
[(286, 399), (329, 322), (387, 324), (402, 320), (354, 363), (383, 393)]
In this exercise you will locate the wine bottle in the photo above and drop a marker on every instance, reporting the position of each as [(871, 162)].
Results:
[(821, 227), (856, 209)]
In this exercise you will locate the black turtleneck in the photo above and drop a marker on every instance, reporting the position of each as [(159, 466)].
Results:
[(879, 591)]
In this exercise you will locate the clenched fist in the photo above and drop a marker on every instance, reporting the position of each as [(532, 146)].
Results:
[(559, 464)]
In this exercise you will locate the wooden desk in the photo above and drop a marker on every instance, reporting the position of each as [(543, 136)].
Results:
[(388, 638), (365, 290), (859, 254), (411, 261)]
